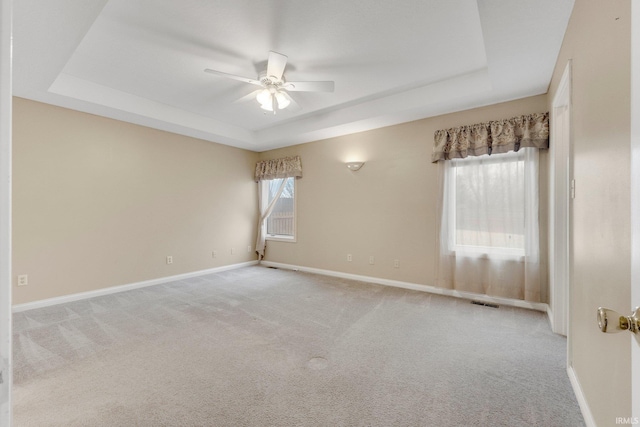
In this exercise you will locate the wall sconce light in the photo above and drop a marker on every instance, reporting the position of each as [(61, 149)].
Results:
[(354, 166)]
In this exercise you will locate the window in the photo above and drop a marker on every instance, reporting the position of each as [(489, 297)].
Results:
[(281, 222), (487, 204)]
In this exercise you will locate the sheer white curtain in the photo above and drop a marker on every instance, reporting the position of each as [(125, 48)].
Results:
[(268, 195), (489, 233)]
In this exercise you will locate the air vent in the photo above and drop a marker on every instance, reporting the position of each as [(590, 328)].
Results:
[(485, 304)]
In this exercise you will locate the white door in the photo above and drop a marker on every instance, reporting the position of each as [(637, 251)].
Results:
[(635, 203), (559, 227), (5, 212)]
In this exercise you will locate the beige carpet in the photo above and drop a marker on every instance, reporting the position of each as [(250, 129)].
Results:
[(266, 347)]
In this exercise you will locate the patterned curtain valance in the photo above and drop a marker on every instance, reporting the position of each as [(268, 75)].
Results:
[(498, 136), (279, 168)]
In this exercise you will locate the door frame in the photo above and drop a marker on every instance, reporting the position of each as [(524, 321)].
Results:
[(559, 207), (6, 18)]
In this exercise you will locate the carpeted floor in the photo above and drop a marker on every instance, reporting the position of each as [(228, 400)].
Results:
[(265, 347)]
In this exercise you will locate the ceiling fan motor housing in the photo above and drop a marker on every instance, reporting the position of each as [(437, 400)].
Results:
[(270, 81)]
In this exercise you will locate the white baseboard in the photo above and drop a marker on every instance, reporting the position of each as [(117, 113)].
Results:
[(414, 286), (387, 282), (112, 290), (550, 315), (582, 401)]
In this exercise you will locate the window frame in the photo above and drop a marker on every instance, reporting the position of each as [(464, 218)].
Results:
[(282, 237), (476, 250)]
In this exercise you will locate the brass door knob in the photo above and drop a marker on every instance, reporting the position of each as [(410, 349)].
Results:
[(610, 321)]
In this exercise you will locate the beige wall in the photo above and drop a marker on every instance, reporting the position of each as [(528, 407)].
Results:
[(387, 209), (598, 43), (99, 203)]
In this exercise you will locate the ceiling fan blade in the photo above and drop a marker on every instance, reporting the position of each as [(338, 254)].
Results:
[(310, 86), (233, 76), (249, 97), (276, 64)]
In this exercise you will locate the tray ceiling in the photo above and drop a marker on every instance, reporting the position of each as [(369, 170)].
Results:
[(392, 62)]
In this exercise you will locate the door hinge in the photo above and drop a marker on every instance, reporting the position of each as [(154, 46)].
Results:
[(573, 189)]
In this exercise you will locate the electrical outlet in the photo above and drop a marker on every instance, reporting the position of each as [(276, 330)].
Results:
[(396, 263), (214, 254), (249, 248), (23, 280), (349, 257), (371, 260), (169, 259)]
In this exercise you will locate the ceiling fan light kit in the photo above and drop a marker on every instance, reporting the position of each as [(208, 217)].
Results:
[(283, 102), (273, 96), (272, 99)]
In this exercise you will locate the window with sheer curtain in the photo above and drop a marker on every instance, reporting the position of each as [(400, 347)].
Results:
[(489, 233), (281, 222), (276, 180), (487, 204), (489, 239)]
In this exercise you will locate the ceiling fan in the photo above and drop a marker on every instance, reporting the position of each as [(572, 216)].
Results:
[(273, 95)]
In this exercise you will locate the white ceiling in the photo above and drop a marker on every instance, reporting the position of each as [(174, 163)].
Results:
[(142, 61)]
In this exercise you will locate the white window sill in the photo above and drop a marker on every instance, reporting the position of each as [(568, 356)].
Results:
[(277, 238), (488, 253)]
